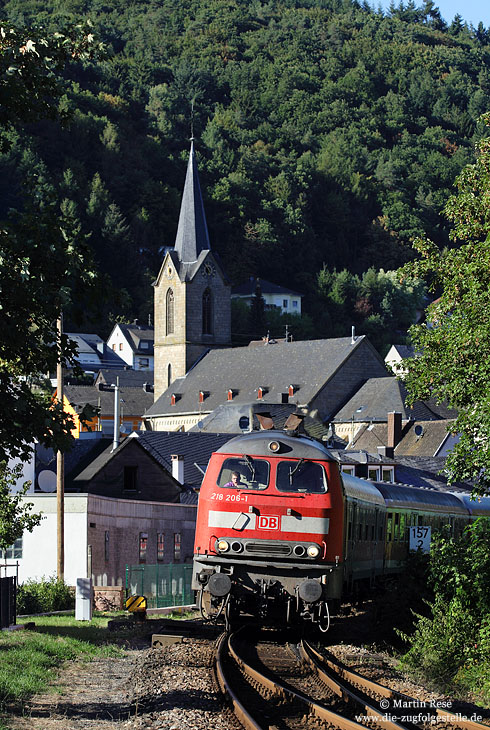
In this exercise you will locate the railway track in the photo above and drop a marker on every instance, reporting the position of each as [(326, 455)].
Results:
[(409, 711), (275, 685)]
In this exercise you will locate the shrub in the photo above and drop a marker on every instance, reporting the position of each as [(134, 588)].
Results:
[(48, 594)]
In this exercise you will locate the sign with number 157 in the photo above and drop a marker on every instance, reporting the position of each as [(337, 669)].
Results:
[(420, 538)]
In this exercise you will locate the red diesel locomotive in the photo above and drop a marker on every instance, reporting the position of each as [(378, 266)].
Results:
[(281, 533)]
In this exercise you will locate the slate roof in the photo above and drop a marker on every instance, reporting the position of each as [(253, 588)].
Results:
[(134, 334), (192, 231), (226, 418), (307, 365), (134, 401), (95, 345), (266, 287), (378, 397), (423, 472), (196, 448), (127, 377), (411, 444)]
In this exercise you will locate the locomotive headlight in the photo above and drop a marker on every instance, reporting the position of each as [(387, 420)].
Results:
[(274, 446), (313, 551), (222, 546)]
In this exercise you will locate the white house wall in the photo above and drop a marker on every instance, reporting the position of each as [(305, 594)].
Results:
[(39, 548), (28, 473)]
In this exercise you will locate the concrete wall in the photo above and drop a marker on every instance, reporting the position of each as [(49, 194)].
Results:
[(87, 520)]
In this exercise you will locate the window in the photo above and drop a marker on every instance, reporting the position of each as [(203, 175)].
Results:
[(389, 527), (120, 345), (347, 469), (373, 474), (387, 474), (177, 546), (244, 473), (14, 552), (106, 545), (130, 483), (144, 362), (144, 344), (143, 544), (169, 312), (114, 346), (207, 313), (301, 476), (160, 546), (284, 397), (396, 531), (295, 303), (285, 303), (169, 374)]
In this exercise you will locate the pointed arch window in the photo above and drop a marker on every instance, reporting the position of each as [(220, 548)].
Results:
[(207, 313), (169, 313), (169, 374)]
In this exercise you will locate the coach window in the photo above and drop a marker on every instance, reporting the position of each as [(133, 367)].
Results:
[(402, 527), (244, 473), (177, 546), (301, 476), (389, 528), (396, 531)]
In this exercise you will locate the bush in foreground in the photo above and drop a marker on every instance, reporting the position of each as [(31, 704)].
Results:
[(451, 646), (48, 594)]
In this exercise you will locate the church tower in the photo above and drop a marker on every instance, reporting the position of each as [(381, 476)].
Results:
[(192, 294)]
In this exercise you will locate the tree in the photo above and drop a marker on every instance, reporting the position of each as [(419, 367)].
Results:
[(15, 515), (453, 363), (44, 261)]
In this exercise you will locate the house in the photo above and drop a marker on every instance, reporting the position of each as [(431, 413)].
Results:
[(414, 438), (375, 399), (275, 296), (128, 506), (93, 353), (127, 377), (319, 375), (133, 343), (133, 401), (395, 357)]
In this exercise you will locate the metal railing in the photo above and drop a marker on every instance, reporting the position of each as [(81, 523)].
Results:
[(163, 585)]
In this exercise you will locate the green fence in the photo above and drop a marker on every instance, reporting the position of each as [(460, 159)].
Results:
[(163, 585)]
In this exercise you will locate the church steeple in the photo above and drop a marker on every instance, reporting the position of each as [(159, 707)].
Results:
[(192, 232)]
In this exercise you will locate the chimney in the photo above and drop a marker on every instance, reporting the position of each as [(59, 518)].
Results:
[(353, 336), (178, 467), (394, 432)]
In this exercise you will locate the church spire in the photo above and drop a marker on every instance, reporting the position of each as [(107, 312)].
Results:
[(192, 232)]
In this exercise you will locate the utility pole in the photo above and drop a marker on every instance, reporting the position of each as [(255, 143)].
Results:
[(60, 468)]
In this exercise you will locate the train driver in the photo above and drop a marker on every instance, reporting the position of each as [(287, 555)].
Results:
[(235, 480)]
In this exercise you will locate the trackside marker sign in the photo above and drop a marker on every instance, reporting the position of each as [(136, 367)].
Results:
[(268, 522)]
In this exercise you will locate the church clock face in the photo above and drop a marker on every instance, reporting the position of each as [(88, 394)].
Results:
[(208, 270)]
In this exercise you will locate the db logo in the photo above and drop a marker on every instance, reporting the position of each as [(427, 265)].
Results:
[(268, 522)]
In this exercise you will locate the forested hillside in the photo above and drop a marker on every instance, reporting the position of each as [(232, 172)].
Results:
[(328, 135)]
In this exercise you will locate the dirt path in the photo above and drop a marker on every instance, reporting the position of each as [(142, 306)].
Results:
[(89, 696)]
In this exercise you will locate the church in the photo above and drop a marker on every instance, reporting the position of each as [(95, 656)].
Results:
[(192, 293), (197, 370)]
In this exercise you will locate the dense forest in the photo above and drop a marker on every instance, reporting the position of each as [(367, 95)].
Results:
[(328, 136)]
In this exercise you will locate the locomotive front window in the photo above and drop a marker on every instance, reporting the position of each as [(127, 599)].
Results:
[(244, 473), (301, 476)]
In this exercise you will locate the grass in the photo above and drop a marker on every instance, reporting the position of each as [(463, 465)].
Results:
[(29, 658)]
